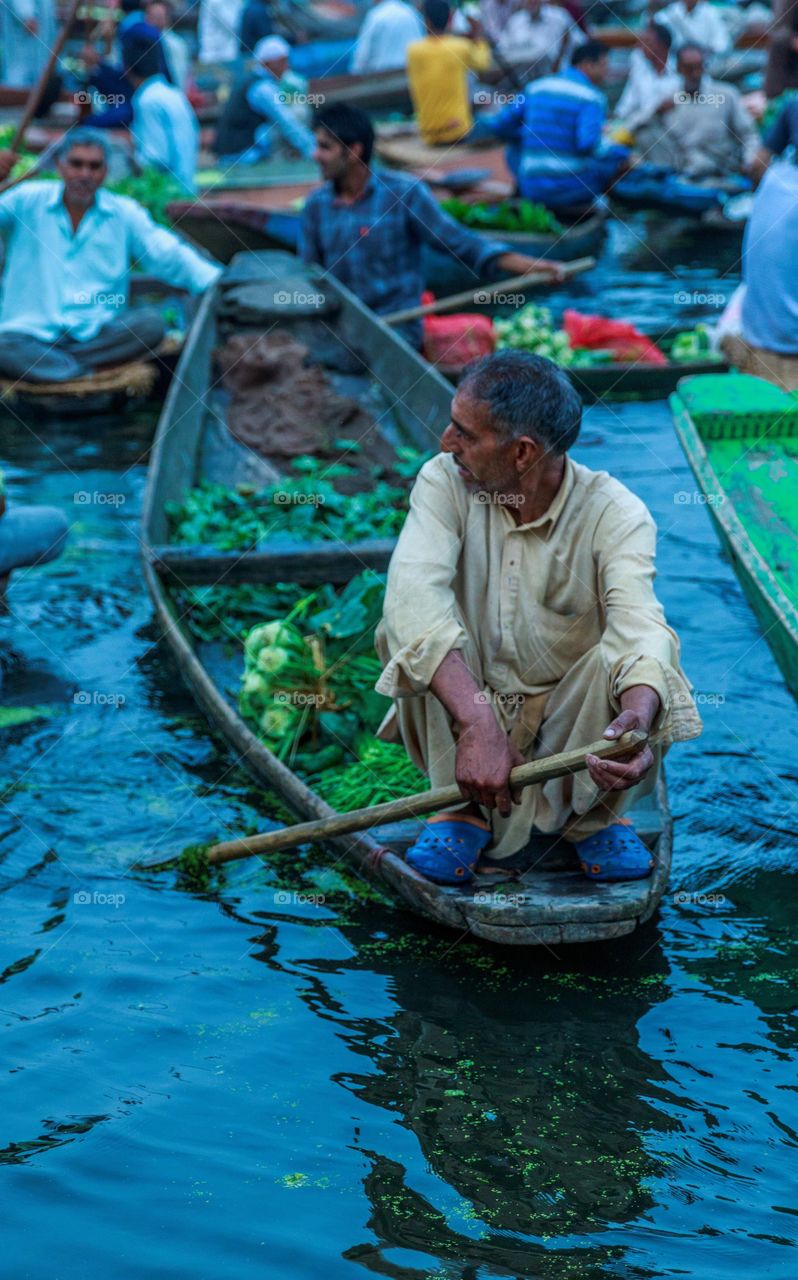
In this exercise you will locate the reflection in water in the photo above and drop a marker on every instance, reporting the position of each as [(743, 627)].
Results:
[(525, 1101)]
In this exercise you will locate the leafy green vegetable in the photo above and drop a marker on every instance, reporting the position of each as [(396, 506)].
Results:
[(303, 507), (693, 344), (313, 687), (152, 188), (508, 215), (12, 716), (531, 329), (382, 772)]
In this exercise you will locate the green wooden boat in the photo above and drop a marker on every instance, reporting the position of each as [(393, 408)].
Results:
[(746, 462)]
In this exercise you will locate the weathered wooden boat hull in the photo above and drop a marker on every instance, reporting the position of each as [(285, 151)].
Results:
[(776, 612), (548, 906), (377, 91)]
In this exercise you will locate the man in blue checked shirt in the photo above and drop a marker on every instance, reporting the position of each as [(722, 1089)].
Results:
[(367, 227)]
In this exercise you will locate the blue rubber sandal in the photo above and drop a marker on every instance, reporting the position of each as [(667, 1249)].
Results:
[(448, 849), (616, 853)]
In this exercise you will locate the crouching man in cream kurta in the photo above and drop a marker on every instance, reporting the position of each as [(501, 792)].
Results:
[(520, 620)]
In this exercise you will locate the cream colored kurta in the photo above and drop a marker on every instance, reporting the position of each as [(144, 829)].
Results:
[(555, 618)]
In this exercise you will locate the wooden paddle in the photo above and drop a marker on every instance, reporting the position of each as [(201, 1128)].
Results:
[(483, 297), (36, 93), (343, 824)]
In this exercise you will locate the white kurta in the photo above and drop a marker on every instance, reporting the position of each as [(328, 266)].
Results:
[(24, 55), (386, 32), (219, 22), (645, 90)]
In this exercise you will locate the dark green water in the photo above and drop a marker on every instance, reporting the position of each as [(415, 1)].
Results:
[(279, 1078)]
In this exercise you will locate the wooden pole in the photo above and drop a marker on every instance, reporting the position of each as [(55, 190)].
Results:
[(483, 297), (36, 93), (343, 824)]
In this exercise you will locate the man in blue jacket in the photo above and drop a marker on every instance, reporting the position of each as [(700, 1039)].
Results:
[(554, 134)]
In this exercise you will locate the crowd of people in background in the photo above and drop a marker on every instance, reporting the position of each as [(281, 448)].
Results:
[(527, 75)]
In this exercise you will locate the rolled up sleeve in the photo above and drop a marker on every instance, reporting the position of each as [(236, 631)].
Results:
[(421, 623), (637, 645)]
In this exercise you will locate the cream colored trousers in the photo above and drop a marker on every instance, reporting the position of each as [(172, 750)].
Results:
[(576, 712)]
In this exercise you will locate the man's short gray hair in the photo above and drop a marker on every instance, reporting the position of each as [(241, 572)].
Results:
[(526, 395), (83, 137)]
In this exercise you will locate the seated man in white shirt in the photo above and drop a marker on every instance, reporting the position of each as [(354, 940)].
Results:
[(388, 28), (165, 129), (649, 90), (707, 134), (539, 38), (69, 247)]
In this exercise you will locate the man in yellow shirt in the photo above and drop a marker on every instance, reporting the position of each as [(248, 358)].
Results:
[(438, 73)]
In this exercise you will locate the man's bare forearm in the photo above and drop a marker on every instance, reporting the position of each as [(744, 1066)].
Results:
[(644, 702), (456, 688)]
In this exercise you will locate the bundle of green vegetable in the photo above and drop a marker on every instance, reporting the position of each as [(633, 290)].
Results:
[(508, 215), (531, 329), (304, 507), (693, 344), (382, 772), (152, 188), (27, 160), (308, 685)]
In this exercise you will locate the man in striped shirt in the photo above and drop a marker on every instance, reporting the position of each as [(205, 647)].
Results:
[(554, 134)]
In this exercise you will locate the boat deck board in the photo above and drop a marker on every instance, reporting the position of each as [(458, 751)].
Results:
[(762, 483)]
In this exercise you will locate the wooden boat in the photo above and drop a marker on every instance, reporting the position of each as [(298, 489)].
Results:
[(115, 388), (551, 902), (374, 91), (751, 487), (638, 379)]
